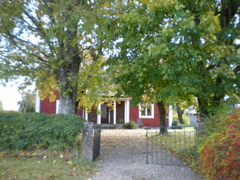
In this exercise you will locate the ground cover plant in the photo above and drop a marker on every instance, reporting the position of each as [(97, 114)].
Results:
[(130, 125), (42, 146), (220, 147)]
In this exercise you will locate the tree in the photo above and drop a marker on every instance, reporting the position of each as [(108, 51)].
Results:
[(169, 50), (54, 43), (211, 45), (181, 104), (27, 104), (140, 73)]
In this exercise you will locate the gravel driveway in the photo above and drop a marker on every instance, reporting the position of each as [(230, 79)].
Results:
[(123, 157)]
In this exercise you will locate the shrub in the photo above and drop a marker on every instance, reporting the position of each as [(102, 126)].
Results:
[(31, 130), (220, 154), (130, 125), (176, 125), (186, 120)]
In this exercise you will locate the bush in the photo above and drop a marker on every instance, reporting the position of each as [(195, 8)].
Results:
[(130, 125), (220, 154), (176, 125), (186, 120), (38, 130)]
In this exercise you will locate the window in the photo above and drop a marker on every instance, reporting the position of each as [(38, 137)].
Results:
[(146, 111)]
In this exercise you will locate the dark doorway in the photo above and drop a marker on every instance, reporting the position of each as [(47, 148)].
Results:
[(92, 116), (120, 112), (107, 114)]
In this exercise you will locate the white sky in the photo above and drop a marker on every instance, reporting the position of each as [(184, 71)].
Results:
[(9, 95)]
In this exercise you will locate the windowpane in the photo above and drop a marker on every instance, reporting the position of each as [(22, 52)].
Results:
[(146, 111), (149, 111)]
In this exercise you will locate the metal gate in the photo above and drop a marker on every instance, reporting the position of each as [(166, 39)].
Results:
[(164, 148), (96, 141)]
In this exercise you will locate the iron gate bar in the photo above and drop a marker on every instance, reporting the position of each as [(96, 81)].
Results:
[(158, 153), (96, 141)]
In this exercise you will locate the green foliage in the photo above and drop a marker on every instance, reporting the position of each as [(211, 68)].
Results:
[(220, 153), (176, 125), (33, 130), (54, 49), (186, 119), (130, 125), (27, 104), (166, 51)]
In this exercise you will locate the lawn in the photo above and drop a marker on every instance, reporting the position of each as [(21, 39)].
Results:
[(45, 164), (30, 166)]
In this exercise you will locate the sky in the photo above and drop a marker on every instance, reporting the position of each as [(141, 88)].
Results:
[(9, 95)]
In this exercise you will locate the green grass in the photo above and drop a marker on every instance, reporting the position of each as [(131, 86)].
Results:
[(49, 168), (45, 164)]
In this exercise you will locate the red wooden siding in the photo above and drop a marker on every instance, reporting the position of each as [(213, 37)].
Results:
[(48, 107), (107, 116), (134, 115)]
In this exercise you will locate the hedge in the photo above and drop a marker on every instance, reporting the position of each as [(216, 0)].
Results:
[(38, 130)]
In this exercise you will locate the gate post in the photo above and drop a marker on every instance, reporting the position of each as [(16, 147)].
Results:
[(87, 143), (96, 141)]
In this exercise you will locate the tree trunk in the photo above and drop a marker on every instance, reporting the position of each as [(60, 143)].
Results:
[(67, 74), (202, 108), (162, 117), (180, 114), (67, 105), (67, 90)]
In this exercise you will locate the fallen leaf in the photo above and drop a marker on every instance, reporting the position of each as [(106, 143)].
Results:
[(69, 163)]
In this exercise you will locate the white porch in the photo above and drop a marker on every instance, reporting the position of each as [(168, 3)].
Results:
[(109, 116)]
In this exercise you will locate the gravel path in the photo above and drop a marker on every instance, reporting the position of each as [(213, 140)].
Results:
[(123, 157)]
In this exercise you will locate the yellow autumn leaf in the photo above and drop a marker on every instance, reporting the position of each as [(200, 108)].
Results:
[(69, 163), (34, 154)]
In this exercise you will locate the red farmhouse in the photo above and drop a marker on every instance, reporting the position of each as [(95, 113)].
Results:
[(121, 113)]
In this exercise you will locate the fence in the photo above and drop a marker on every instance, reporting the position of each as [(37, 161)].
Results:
[(163, 146)]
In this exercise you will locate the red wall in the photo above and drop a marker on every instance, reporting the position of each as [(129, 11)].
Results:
[(47, 107), (50, 108), (80, 112), (134, 115)]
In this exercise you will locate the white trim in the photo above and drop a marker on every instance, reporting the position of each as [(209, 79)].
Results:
[(37, 104), (124, 99), (170, 115), (99, 115), (57, 106), (145, 109), (114, 112), (86, 115), (127, 110), (109, 115)]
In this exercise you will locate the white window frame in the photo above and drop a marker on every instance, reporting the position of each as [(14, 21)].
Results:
[(145, 109)]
